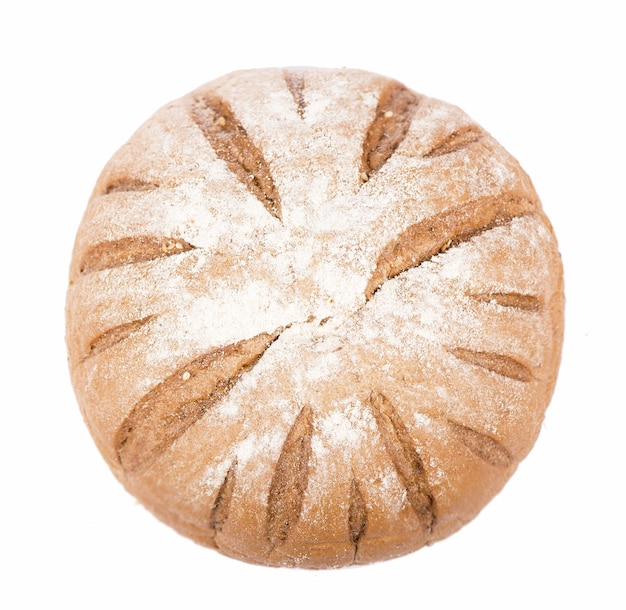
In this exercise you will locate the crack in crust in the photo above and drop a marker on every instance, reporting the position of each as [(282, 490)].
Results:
[(233, 145), (294, 79), (482, 445), (290, 480), (115, 335), (178, 402), (394, 113), (496, 363), (130, 250), (456, 140), (405, 458), (431, 236), (221, 506)]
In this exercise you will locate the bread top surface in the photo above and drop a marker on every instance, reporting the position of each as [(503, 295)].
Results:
[(314, 318)]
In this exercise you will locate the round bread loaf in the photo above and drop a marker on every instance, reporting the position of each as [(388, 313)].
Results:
[(314, 317)]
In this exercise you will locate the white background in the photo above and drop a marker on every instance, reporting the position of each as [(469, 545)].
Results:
[(545, 78)]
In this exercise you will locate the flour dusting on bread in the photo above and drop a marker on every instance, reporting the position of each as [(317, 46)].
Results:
[(314, 317)]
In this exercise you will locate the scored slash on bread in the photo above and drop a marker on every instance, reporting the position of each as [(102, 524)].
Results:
[(290, 479), (130, 250), (423, 240), (231, 143), (394, 113), (314, 317), (154, 424), (405, 457)]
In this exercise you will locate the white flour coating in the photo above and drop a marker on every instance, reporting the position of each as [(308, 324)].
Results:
[(304, 276), (345, 429)]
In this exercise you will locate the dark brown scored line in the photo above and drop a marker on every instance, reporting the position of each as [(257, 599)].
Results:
[(456, 140), (496, 363), (130, 250), (357, 514), (290, 480), (178, 402), (405, 458), (394, 113), (233, 145), (515, 300), (482, 445), (127, 184), (115, 335), (294, 79), (431, 236), (221, 505)]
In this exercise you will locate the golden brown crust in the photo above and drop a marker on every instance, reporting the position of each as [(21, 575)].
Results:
[(314, 318)]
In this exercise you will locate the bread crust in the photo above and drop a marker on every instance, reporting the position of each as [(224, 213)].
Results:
[(314, 318)]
